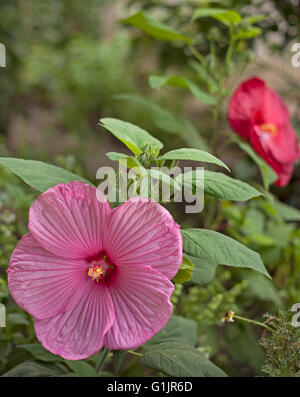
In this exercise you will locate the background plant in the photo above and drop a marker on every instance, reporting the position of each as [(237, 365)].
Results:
[(67, 68)]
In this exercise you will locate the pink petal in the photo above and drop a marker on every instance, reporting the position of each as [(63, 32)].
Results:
[(78, 334), (144, 233), (43, 284), (141, 298), (68, 220)]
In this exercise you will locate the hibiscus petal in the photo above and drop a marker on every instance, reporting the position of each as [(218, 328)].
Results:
[(141, 298), (142, 232), (285, 174), (274, 110), (284, 145), (244, 105), (78, 334), (43, 284), (68, 220)]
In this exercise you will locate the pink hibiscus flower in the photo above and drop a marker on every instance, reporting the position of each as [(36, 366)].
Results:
[(91, 276)]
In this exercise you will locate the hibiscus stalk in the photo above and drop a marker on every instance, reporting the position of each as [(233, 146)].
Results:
[(248, 320), (102, 359), (197, 55), (134, 353)]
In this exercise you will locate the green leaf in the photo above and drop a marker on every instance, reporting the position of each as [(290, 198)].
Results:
[(268, 174), (82, 368), (157, 82), (227, 17), (161, 117), (134, 137), (39, 352), (205, 76), (34, 369), (280, 233), (39, 175), (167, 122), (193, 155), (219, 185), (185, 271), (118, 356), (261, 240), (114, 156), (242, 344), (17, 319), (204, 270), (287, 212), (220, 249), (131, 162), (161, 176), (251, 19), (154, 28), (262, 288), (192, 136), (106, 374), (178, 359), (248, 33), (177, 329)]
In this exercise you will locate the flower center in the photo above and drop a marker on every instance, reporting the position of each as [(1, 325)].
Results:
[(100, 269), (96, 271), (269, 128)]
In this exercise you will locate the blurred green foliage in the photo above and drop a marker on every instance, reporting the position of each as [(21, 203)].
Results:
[(64, 59)]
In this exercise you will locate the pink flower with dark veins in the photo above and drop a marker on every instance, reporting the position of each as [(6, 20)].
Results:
[(92, 276)]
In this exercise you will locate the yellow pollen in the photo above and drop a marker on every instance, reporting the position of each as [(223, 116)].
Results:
[(269, 127), (95, 273)]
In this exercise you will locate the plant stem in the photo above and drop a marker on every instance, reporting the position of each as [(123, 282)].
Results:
[(248, 320), (134, 353), (102, 359), (197, 54)]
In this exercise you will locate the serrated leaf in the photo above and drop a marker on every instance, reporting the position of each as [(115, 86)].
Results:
[(154, 28), (134, 137), (180, 360), (193, 155), (82, 368), (177, 329), (164, 178), (220, 249), (218, 185), (39, 175), (262, 288), (35, 369), (157, 82), (39, 352), (204, 270)]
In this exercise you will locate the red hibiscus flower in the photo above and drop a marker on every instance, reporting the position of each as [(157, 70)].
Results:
[(258, 113)]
